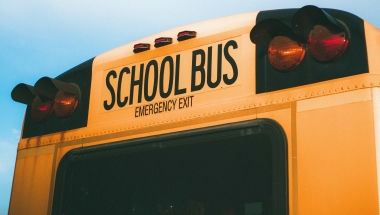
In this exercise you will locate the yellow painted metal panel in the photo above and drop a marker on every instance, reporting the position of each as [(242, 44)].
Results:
[(336, 160), (31, 185)]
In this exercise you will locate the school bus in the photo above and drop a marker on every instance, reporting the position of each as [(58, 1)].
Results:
[(269, 112)]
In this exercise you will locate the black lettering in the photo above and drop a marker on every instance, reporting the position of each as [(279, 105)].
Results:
[(156, 110), (119, 102), (198, 68), (219, 67), (167, 59), (137, 109), (142, 110), (170, 105), (185, 102), (146, 110), (148, 97), (191, 101), (150, 109), (232, 62), (165, 106), (174, 102), (178, 91), (160, 107), (134, 83), (111, 90), (180, 103)]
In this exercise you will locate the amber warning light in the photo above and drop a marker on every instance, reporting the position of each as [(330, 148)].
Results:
[(48, 96)]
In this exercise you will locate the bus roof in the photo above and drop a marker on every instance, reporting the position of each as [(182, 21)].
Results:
[(203, 29)]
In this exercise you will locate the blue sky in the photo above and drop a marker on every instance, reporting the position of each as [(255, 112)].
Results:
[(45, 38)]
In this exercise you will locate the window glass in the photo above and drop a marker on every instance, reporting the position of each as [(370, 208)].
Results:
[(214, 175)]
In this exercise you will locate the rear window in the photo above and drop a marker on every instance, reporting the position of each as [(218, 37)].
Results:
[(228, 170)]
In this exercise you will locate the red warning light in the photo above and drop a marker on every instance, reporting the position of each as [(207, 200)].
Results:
[(185, 35), (41, 111), (140, 47), (326, 45), (162, 41)]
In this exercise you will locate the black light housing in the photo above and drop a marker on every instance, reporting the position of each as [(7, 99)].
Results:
[(70, 105), (49, 87), (47, 95), (263, 32), (24, 94), (334, 44), (308, 16)]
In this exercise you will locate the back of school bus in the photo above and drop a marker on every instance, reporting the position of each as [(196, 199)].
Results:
[(271, 112)]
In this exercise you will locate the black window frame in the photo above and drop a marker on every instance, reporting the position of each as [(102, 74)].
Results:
[(259, 126)]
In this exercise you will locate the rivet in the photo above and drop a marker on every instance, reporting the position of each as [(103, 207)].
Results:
[(371, 84), (356, 86), (363, 85)]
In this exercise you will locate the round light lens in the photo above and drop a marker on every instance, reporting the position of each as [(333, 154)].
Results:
[(285, 54), (64, 104), (41, 111), (325, 45)]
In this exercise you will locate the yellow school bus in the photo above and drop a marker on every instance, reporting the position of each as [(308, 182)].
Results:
[(270, 112)]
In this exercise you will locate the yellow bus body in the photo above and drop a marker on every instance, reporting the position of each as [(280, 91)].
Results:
[(332, 128)]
